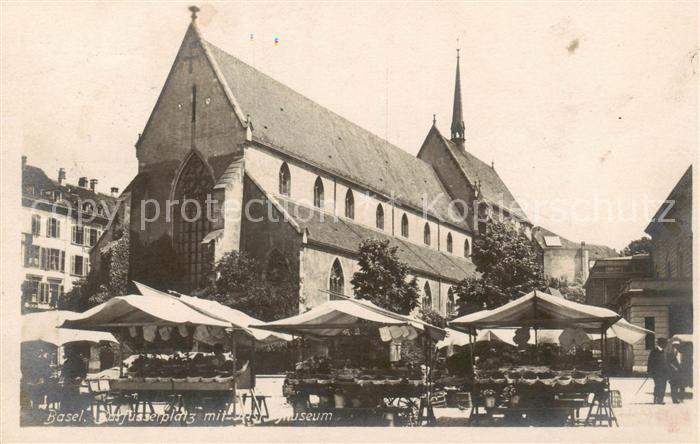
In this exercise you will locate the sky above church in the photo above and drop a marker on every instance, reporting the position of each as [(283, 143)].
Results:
[(589, 112)]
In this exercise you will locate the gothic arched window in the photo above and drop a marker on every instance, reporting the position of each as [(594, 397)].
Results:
[(467, 248), (318, 193), (349, 205), (285, 180), (449, 242), (426, 234), (451, 307), (191, 223), (404, 225), (336, 281), (427, 296), (380, 217)]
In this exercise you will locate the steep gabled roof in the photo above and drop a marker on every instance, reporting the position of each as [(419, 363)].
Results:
[(345, 235), (285, 120), (478, 173)]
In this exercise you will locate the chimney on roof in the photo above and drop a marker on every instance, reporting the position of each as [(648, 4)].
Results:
[(61, 175), (24, 162), (93, 184), (83, 182), (114, 191)]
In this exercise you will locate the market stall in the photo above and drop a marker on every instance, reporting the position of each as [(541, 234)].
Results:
[(161, 326), (360, 371), (45, 381), (551, 392)]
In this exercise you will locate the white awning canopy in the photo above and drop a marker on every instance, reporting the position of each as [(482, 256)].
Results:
[(332, 317), (43, 326), (540, 310)]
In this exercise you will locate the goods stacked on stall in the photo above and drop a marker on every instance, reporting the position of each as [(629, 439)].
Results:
[(552, 380), (366, 367)]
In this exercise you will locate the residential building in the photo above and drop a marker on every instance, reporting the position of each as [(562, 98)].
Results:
[(564, 260), (60, 222)]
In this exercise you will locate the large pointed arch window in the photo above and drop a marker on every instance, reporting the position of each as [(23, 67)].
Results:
[(336, 281), (427, 296), (190, 221), (404, 225), (426, 234), (318, 193), (349, 205), (285, 187), (380, 217), (449, 242)]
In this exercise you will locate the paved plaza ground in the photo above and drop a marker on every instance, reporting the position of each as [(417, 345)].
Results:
[(637, 411)]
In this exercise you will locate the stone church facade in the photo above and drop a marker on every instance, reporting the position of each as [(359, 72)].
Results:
[(297, 186)]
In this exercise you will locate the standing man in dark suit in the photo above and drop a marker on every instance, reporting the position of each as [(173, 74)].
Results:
[(675, 364), (657, 367)]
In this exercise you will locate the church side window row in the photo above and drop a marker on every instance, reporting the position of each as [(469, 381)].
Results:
[(285, 187)]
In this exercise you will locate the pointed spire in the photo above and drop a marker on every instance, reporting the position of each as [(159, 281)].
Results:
[(457, 128), (434, 119)]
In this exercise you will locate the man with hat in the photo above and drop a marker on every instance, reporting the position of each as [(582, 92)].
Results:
[(675, 361), (657, 367)]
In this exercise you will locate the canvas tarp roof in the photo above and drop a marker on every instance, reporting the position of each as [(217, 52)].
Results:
[(138, 310), (622, 330), (219, 311), (43, 326), (541, 310), (332, 317)]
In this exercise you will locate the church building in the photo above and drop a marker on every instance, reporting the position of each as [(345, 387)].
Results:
[(297, 186)]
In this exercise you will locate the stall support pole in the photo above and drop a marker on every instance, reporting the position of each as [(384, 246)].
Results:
[(235, 377), (121, 360), (537, 348)]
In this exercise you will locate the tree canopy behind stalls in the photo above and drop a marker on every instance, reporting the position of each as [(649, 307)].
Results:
[(637, 246), (509, 267), (383, 278), (241, 282)]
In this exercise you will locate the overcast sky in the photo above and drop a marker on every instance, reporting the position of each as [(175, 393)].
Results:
[(576, 104)]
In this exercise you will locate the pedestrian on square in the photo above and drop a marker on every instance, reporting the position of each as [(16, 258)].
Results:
[(675, 359), (657, 367)]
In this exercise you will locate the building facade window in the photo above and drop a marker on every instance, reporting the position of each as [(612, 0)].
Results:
[(191, 224), (36, 225), (52, 259), (426, 234), (318, 193), (78, 236), (93, 235), (404, 225), (55, 291), (649, 324), (285, 186), (79, 265), (380, 217), (32, 256), (467, 248), (53, 227), (427, 296), (336, 281), (30, 289), (349, 205), (449, 243)]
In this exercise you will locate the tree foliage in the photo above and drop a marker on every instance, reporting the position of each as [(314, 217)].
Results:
[(101, 284), (509, 268), (241, 282), (383, 279), (572, 291), (638, 246)]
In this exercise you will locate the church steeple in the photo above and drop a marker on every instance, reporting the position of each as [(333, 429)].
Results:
[(457, 128)]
